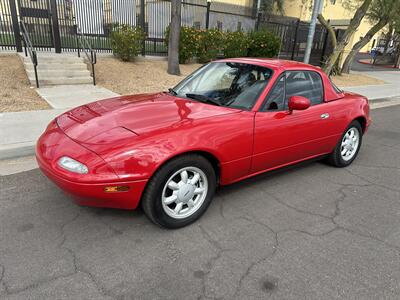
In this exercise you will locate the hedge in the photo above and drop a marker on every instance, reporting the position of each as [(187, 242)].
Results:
[(126, 41), (207, 45)]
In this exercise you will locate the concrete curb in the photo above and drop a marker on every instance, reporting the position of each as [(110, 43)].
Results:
[(366, 62), (11, 151), (16, 150)]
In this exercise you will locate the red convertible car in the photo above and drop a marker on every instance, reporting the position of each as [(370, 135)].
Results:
[(229, 120)]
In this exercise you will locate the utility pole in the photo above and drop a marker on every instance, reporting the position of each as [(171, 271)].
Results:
[(258, 6), (258, 15), (208, 14), (317, 9)]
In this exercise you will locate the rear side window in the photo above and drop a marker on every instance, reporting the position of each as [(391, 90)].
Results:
[(305, 83)]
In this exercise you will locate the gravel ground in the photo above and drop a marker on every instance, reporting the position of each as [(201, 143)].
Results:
[(151, 76), (347, 80), (15, 91), (120, 77), (138, 77)]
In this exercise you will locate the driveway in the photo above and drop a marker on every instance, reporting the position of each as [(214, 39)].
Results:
[(311, 232)]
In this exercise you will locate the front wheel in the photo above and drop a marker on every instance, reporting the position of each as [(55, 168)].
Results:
[(180, 191), (348, 146)]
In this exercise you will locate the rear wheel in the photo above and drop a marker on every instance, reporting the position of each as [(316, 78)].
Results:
[(180, 191), (348, 146)]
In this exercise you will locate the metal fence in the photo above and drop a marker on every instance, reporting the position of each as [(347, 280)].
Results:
[(293, 34), (7, 37), (51, 24)]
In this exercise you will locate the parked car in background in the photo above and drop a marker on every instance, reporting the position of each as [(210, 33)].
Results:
[(229, 120)]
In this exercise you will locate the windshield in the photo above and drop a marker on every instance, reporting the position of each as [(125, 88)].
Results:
[(228, 84)]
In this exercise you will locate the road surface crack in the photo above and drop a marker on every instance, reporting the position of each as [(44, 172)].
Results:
[(262, 259), (211, 262)]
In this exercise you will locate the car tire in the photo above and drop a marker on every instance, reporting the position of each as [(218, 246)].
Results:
[(180, 191), (351, 140)]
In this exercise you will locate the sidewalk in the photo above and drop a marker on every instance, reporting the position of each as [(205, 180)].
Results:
[(20, 130), (373, 92), (69, 96)]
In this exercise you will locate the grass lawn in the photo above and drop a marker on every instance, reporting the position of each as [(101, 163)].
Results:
[(15, 91)]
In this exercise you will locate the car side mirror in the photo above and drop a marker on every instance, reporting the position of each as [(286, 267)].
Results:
[(298, 103)]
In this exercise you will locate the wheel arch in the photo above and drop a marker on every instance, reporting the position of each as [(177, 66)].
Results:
[(212, 158), (363, 122), (215, 163)]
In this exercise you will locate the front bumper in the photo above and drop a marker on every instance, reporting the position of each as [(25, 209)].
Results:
[(87, 189)]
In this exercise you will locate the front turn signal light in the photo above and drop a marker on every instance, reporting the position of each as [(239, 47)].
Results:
[(116, 188)]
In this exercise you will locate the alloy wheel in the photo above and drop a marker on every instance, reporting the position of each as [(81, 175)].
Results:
[(184, 192), (350, 144)]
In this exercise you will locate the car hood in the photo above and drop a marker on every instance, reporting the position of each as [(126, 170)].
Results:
[(106, 121)]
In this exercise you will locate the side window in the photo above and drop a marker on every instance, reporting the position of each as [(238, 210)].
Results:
[(276, 97), (306, 84), (317, 95)]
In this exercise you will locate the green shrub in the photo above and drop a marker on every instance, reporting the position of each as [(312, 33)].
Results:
[(210, 45), (263, 44), (188, 41), (206, 45), (236, 44), (126, 41)]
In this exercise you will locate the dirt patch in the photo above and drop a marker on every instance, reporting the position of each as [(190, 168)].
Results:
[(15, 91), (138, 77), (347, 80), (151, 76)]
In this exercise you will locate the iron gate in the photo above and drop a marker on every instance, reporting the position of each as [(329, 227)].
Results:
[(51, 23), (293, 34), (36, 16), (9, 29)]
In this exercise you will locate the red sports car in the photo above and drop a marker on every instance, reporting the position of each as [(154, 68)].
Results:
[(229, 120)]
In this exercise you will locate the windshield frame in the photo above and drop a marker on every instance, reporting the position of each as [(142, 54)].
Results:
[(199, 70)]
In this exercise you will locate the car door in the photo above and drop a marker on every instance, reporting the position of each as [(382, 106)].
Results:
[(281, 137)]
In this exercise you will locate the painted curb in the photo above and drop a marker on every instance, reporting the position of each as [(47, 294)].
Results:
[(364, 62)]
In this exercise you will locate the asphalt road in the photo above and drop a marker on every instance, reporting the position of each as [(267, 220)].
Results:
[(311, 232)]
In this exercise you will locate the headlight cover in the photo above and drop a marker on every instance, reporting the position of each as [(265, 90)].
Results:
[(72, 165)]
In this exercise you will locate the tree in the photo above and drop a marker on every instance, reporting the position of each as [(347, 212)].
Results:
[(382, 13), (270, 6), (174, 35), (397, 36), (344, 40)]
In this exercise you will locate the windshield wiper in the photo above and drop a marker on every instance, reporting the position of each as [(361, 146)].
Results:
[(203, 98), (172, 91)]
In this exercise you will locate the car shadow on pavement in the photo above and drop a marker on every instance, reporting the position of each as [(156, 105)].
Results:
[(274, 175)]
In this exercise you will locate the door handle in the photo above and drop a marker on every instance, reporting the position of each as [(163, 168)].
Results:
[(325, 116)]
